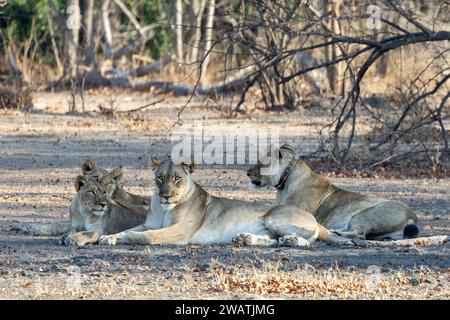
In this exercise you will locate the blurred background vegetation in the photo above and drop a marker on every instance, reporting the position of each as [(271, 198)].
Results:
[(387, 62)]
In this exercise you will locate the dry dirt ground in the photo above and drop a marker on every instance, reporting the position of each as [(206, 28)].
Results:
[(40, 154)]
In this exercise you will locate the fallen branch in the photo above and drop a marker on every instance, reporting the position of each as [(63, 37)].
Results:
[(181, 90), (151, 67)]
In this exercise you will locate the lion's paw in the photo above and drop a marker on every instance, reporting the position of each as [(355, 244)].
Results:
[(248, 239), (293, 241), (108, 240), (240, 240), (70, 240)]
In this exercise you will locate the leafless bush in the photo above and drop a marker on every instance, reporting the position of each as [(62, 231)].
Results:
[(350, 43), (15, 97)]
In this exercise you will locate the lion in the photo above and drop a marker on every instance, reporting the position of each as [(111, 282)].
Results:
[(346, 213), (114, 191), (92, 214), (182, 212), (111, 181)]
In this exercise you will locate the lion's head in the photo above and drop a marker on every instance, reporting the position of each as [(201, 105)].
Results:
[(261, 178), (92, 194), (172, 180), (109, 180)]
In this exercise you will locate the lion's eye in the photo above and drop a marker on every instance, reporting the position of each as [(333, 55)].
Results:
[(177, 179), (92, 192), (95, 178), (160, 178)]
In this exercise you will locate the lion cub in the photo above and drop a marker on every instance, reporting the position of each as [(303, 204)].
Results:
[(92, 215), (111, 181), (117, 195)]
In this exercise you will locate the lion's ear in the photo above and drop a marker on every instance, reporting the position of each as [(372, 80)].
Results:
[(80, 182), (88, 166), (285, 148), (116, 174), (154, 163), (189, 167)]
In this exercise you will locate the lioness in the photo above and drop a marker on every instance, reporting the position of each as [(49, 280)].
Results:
[(183, 212), (350, 214)]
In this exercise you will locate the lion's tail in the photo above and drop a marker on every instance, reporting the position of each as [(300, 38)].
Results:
[(411, 230), (328, 236), (48, 229)]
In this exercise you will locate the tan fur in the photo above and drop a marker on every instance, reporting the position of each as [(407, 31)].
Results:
[(111, 181), (91, 215), (183, 212), (347, 213)]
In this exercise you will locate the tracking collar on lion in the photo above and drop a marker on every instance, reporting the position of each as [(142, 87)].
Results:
[(183, 212), (286, 173), (349, 213)]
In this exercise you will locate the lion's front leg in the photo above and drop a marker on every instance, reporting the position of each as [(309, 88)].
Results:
[(133, 237), (171, 235), (80, 238), (112, 239)]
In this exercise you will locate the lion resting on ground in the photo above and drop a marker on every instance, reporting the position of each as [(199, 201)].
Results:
[(91, 215), (118, 198), (347, 213), (183, 212)]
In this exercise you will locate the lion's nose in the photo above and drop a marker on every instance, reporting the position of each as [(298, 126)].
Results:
[(167, 197)]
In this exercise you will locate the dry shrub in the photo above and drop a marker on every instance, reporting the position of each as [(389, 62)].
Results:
[(17, 98), (417, 128)]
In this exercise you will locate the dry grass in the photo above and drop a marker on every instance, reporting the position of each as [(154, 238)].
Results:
[(41, 156), (308, 282)]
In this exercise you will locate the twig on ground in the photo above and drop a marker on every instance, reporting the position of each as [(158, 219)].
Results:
[(141, 107)]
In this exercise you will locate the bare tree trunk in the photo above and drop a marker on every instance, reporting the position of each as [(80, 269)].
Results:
[(59, 65), (198, 6), (59, 19), (179, 30), (72, 33), (338, 70), (130, 16), (107, 30), (329, 53), (208, 39), (89, 32)]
